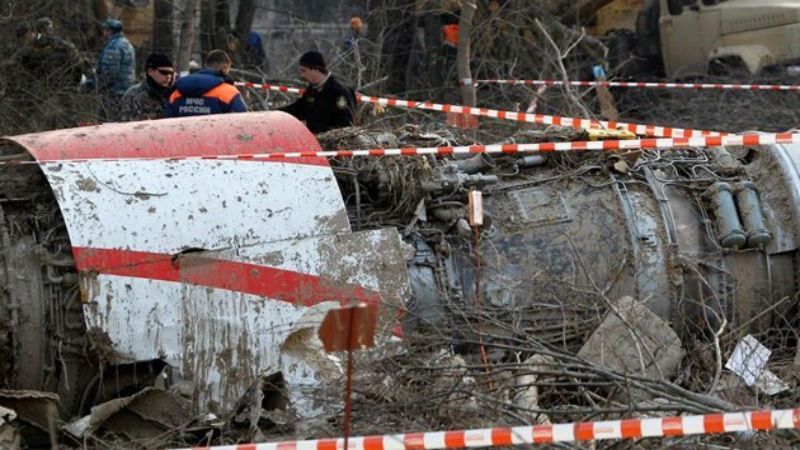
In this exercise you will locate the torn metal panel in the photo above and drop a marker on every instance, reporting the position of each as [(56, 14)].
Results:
[(208, 264), (148, 413), (223, 333), (37, 411), (9, 436), (305, 365), (633, 339)]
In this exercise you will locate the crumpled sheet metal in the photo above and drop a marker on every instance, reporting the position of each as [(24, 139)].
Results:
[(9, 436), (148, 413), (35, 408)]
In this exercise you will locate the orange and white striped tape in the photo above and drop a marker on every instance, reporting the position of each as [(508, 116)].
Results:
[(546, 434), (574, 122), (650, 85), (508, 149), (271, 87)]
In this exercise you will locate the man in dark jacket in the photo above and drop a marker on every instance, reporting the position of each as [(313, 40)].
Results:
[(326, 103), (207, 91), (51, 59), (147, 100)]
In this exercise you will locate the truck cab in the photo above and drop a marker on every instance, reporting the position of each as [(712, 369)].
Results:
[(708, 36)]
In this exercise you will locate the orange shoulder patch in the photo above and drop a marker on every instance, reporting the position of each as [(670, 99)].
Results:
[(225, 92), (174, 96)]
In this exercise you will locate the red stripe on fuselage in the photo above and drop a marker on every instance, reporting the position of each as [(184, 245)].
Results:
[(202, 270)]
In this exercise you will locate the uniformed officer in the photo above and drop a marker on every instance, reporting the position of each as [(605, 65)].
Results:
[(116, 62), (114, 69), (326, 103)]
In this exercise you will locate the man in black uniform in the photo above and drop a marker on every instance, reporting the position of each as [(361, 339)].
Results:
[(326, 103)]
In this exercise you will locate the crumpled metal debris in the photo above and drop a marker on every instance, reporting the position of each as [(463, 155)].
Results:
[(37, 409), (633, 339), (143, 415), (9, 436), (305, 370), (306, 366)]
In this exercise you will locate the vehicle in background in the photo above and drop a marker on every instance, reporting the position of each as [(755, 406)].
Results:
[(684, 38)]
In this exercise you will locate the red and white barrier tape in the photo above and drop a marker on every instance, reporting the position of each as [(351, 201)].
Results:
[(508, 149), (271, 87), (641, 130), (545, 434), (650, 85)]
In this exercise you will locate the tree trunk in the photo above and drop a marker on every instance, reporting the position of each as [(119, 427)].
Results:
[(463, 57), (101, 13), (435, 73), (242, 26), (214, 25), (416, 53), (395, 22), (163, 14), (207, 25), (222, 21), (244, 18), (187, 34)]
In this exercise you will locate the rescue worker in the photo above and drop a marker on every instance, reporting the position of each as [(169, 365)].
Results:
[(449, 20), (148, 99), (351, 41), (450, 29), (207, 91), (326, 103), (114, 70)]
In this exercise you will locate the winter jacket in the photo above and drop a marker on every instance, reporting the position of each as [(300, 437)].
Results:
[(329, 106), (115, 66), (53, 61), (202, 93), (144, 101)]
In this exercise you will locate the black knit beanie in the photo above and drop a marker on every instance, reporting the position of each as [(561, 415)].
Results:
[(314, 60), (157, 60)]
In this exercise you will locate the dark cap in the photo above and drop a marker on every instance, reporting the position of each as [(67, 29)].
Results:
[(113, 24), (157, 60), (314, 60)]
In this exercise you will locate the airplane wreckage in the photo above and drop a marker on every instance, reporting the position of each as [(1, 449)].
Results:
[(132, 272)]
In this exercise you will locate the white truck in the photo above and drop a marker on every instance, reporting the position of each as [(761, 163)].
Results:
[(694, 37)]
